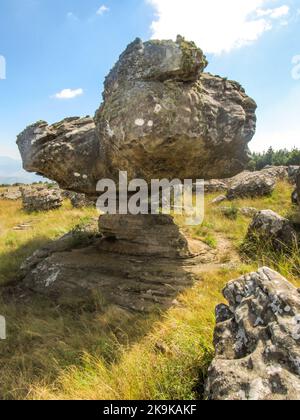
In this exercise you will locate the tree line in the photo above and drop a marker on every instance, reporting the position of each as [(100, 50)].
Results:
[(282, 157)]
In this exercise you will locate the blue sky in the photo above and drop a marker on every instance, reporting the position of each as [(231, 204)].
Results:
[(58, 52)]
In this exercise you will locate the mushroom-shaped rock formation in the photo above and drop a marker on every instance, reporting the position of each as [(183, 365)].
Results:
[(161, 117)]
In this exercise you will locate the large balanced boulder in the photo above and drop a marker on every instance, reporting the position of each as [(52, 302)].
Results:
[(269, 229), (257, 340), (161, 117), (41, 199)]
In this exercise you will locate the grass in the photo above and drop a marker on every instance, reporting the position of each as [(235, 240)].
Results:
[(104, 352)]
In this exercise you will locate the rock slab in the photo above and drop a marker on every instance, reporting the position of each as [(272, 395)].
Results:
[(162, 117)]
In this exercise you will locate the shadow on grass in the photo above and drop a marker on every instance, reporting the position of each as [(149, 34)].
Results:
[(45, 336), (11, 261)]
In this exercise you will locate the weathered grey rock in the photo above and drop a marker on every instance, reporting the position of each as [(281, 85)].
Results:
[(257, 340), (13, 194), (81, 200), (63, 152), (153, 235), (161, 118), (278, 172), (269, 228), (251, 184), (41, 199), (219, 199), (215, 185), (134, 275)]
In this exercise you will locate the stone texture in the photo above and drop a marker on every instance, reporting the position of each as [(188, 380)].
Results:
[(277, 172), (13, 194), (270, 228), (153, 235), (257, 340), (215, 185), (219, 199), (41, 199), (251, 184), (115, 269), (158, 105), (80, 200)]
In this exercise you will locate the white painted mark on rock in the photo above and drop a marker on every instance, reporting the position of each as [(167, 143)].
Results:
[(139, 122)]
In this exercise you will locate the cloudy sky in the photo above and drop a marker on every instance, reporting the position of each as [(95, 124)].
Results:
[(57, 54)]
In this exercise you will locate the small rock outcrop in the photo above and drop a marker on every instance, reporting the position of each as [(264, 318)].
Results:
[(162, 117), (248, 184), (257, 340), (251, 184), (270, 229), (216, 185), (41, 199), (79, 201), (12, 194)]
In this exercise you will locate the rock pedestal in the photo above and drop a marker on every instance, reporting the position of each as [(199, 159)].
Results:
[(139, 264), (161, 117)]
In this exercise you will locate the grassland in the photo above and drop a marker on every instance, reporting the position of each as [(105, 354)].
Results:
[(54, 353)]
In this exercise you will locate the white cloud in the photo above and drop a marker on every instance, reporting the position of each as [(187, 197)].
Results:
[(68, 94), (276, 13), (215, 25), (102, 9)]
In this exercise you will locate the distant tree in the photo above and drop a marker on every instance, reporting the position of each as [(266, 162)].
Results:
[(282, 157)]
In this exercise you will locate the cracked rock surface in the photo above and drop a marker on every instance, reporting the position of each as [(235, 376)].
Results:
[(257, 340)]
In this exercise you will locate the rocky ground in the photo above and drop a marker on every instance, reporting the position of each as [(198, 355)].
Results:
[(186, 294), (162, 116)]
